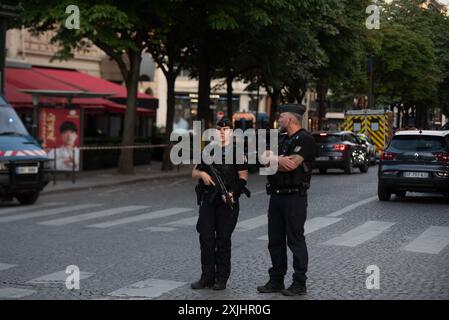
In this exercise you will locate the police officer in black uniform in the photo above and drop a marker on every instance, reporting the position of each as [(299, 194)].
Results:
[(217, 217), (288, 202)]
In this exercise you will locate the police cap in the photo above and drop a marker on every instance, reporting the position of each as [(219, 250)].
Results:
[(224, 122), (293, 108)]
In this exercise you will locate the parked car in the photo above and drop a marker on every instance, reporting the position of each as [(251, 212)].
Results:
[(415, 161), (342, 150), (24, 166), (370, 147)]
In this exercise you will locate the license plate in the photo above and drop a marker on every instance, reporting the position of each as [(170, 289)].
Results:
[(416, 174), (322, 158), (27, 170)]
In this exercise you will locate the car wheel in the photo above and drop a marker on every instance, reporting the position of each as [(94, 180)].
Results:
[(349, 166), (383, 193), (364, 168), (373, 159), (323, 170), (400, 194), (28, 198)]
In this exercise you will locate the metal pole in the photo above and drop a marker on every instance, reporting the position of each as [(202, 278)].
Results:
[(73, 166), (257, 107), (54, 168), (2, 53), (371, 82)]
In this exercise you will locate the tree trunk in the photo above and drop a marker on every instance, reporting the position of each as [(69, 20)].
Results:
[(204, 112), (405, 117), (322, 93), (229, 80), (398, 117), (421, 117), (274, 106), (126, 160), (171, 78)]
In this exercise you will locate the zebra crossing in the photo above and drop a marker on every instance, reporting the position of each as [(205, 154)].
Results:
[(361, 234), (430, 240), (433, 240), (145, 289)]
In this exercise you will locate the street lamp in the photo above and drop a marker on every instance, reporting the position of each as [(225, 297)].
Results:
[(8, 9)]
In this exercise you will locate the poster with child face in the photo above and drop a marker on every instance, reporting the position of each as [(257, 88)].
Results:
[(59, 130)]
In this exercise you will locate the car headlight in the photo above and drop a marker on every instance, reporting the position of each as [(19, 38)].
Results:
[(4, 166), (47, 165)]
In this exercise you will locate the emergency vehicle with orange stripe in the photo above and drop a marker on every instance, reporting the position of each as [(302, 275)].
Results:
[(376, 124)]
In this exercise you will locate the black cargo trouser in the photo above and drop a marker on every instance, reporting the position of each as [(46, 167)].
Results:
[(286, 218), (215, 225)]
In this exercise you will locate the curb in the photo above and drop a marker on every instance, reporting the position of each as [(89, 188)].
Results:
[(115, 183)]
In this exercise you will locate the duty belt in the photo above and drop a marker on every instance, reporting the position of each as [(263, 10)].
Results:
[(286, 190)]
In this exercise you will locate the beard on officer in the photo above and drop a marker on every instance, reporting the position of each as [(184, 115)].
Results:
[(217, 217), (287, 210)]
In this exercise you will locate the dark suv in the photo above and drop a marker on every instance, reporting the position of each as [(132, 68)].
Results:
[(341, 150), (415, 161)]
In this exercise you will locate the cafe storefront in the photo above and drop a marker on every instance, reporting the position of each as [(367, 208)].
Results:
[(50, 101)]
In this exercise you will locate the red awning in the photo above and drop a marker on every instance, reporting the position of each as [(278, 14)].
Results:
[(86, 82), (34, 78), (17, 98)]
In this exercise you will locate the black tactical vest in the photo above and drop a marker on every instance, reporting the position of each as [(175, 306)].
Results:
[(301, 176), (228, 172)]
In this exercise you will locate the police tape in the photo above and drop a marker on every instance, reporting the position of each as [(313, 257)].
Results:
[(148, 146)]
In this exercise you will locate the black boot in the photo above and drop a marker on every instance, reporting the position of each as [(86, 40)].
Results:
[(296, 289), (272, 286), (219, 285), (203, 283)]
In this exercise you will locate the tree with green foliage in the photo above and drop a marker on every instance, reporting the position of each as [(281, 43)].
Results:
[(287, 51), (169, 47), (346, 44), (410, 65)]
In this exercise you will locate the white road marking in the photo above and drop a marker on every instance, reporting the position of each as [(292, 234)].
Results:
[(252, 223), (360, 234), (317, 223), (20, 208), (5, 266), (313, 225), (159, 229), (431, 241), (352, 207), (147, 216), (112, 191), (15, 293), (48, 212), (185, 222), (150, 288), (57, 277), (92, 215)]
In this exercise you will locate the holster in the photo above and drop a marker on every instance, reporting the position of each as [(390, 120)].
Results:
[(199, 190)]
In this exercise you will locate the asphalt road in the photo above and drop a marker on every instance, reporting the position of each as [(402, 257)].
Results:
[(139, 241)]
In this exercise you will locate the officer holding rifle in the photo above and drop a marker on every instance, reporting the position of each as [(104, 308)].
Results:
[(218, 192)]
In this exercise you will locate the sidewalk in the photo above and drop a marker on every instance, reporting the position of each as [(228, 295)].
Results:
[(110, 177)]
